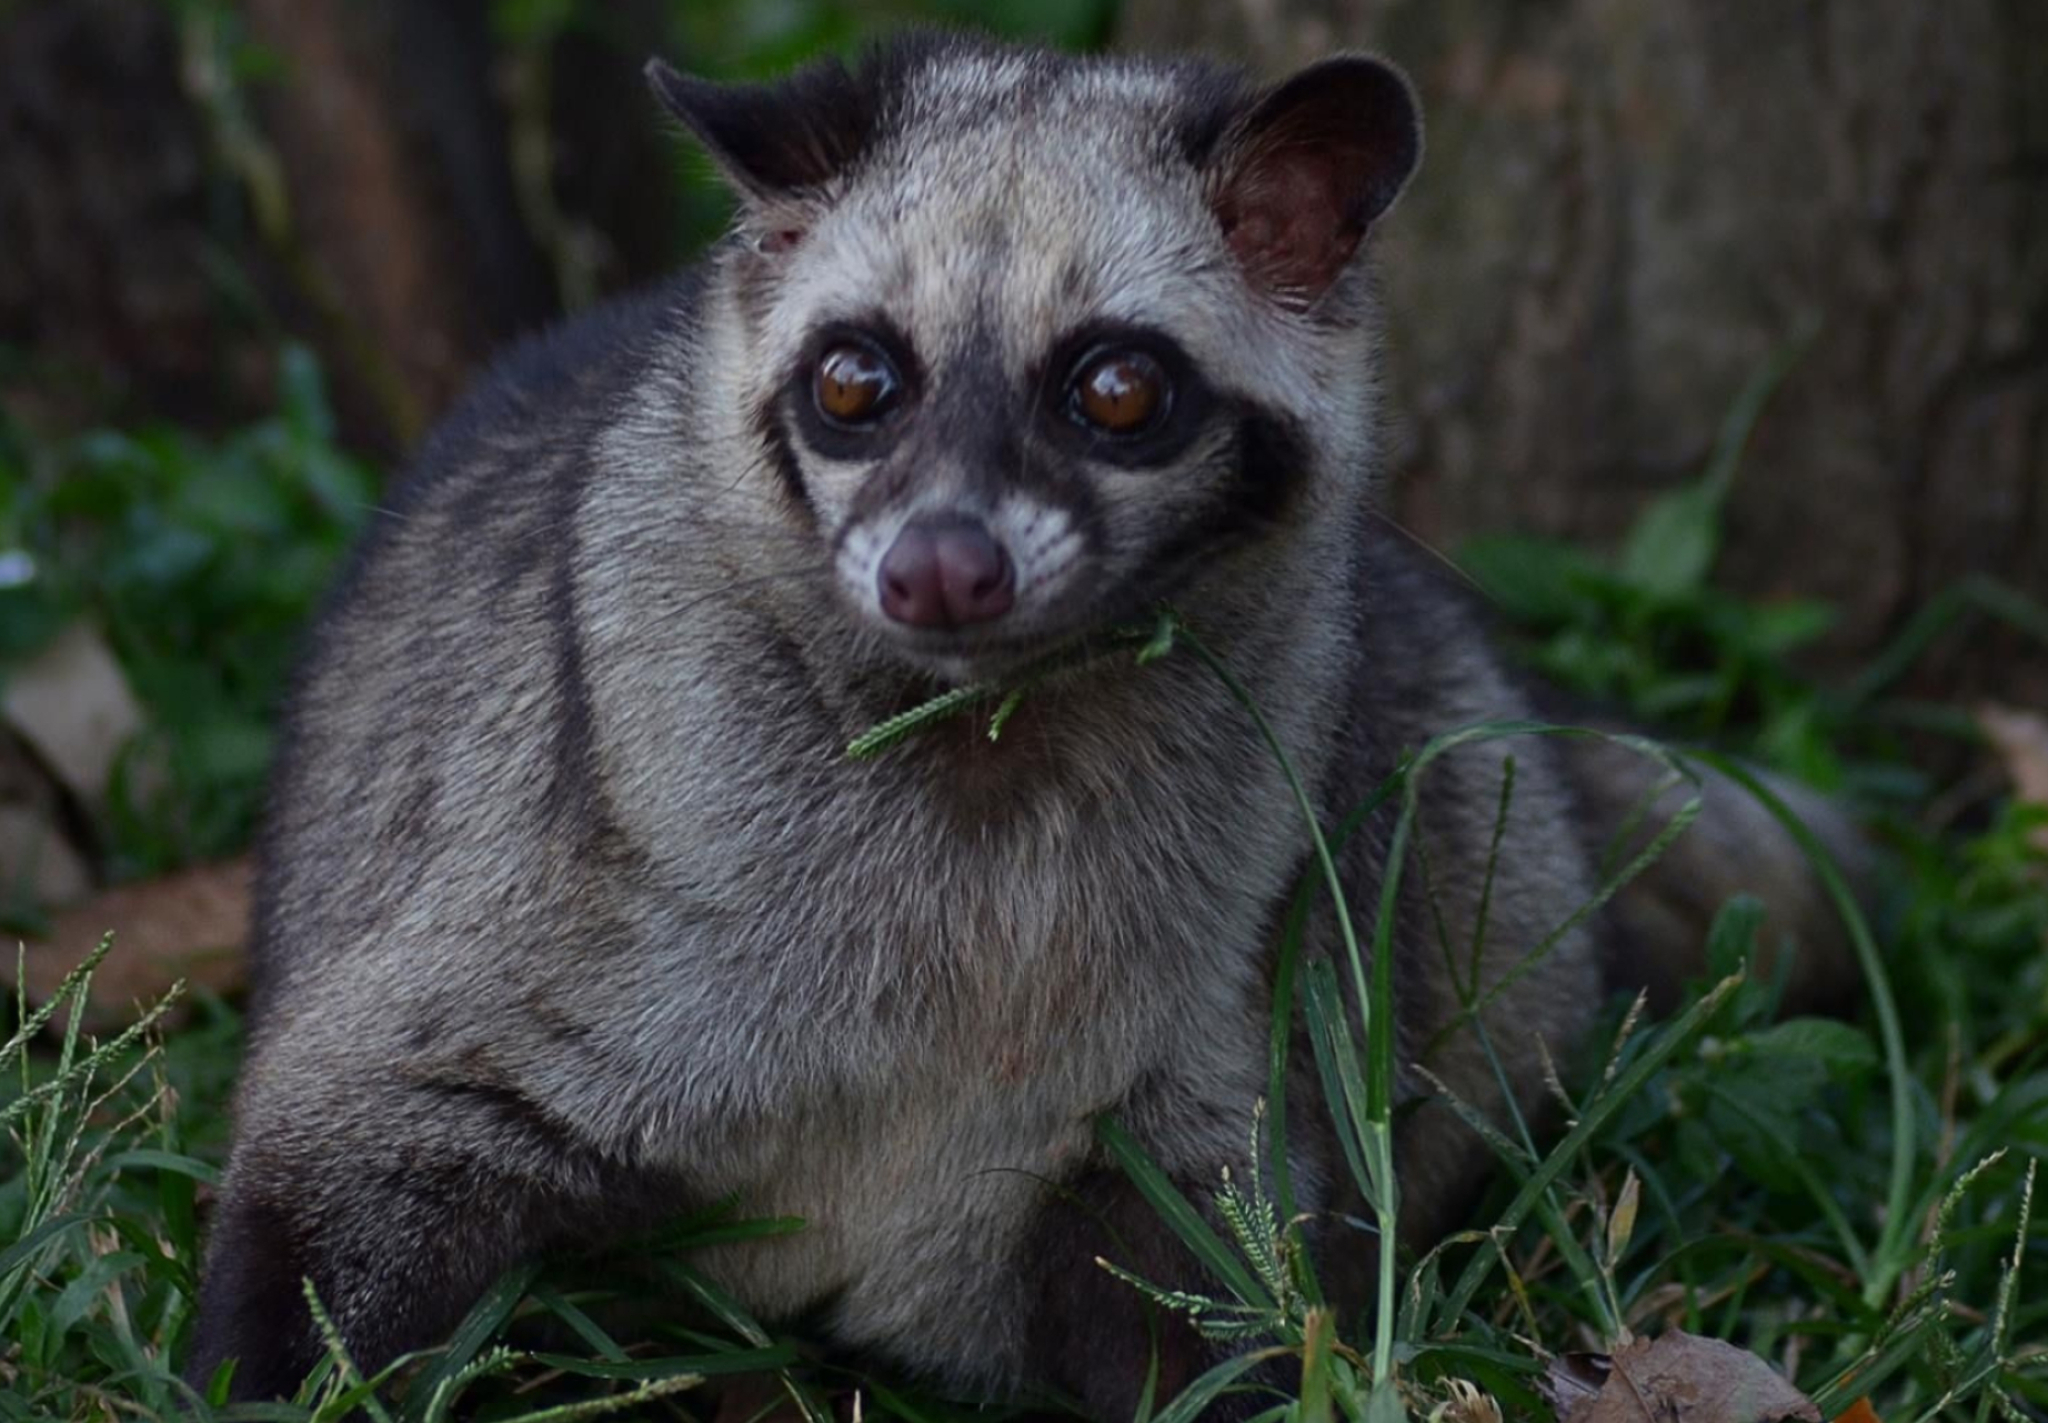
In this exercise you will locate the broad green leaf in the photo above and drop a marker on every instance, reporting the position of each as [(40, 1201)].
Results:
[(1530, 580), (1825, 1040), (1673, 544)]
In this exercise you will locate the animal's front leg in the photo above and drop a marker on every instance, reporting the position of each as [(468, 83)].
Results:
[(400, 1216), (396, 1263)]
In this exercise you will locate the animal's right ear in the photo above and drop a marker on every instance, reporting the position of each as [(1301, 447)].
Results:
[(780, 145), (1309, 167)]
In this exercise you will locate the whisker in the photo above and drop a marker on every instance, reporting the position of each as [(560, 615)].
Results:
[(1435, 553)]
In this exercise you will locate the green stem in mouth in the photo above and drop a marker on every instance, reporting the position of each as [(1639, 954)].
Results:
[(1157, 638), (901, 727)]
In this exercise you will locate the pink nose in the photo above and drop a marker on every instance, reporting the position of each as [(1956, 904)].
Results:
[(945, 572)]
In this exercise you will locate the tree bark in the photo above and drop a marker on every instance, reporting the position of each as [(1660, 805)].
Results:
[(402, 205), (1628, 206), (161, 210), (106, 235)]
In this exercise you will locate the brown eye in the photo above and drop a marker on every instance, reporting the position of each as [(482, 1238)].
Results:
[(855, 385), (1122, 393)]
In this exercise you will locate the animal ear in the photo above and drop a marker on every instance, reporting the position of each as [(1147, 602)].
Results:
[(774, 142), (1301, 175)]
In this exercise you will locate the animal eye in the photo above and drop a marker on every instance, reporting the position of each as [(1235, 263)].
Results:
[(1120, 393), (855, 385)]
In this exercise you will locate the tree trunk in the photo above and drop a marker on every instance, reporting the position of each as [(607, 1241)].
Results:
[(167, 191), (106, 240), (1628, 207), (404, 220)]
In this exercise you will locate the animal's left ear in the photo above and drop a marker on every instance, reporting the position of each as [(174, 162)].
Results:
[(1298, 179), (777, 143)]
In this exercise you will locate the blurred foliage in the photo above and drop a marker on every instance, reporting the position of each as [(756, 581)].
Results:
[(199, 560), (1974, 930), (1667, 648), (1645, 630)]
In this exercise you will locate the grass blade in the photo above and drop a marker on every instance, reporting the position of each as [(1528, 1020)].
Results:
[(1187, 1222), (482, 1323), (1597, 1114)]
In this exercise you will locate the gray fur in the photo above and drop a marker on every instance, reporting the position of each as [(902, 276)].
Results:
[(572, 912)]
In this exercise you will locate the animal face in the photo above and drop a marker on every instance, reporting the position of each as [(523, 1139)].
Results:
[(1035, 340)]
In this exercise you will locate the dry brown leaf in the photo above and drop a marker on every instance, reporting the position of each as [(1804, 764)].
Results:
[(1681, 1378), (2021, 740), (1859, 1412), (191, 925), (71, 702)]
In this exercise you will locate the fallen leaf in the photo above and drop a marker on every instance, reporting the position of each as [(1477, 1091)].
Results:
[(71, 702), (1858, 1412), (2021, 740), (1681, 1378), (191, 925)]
